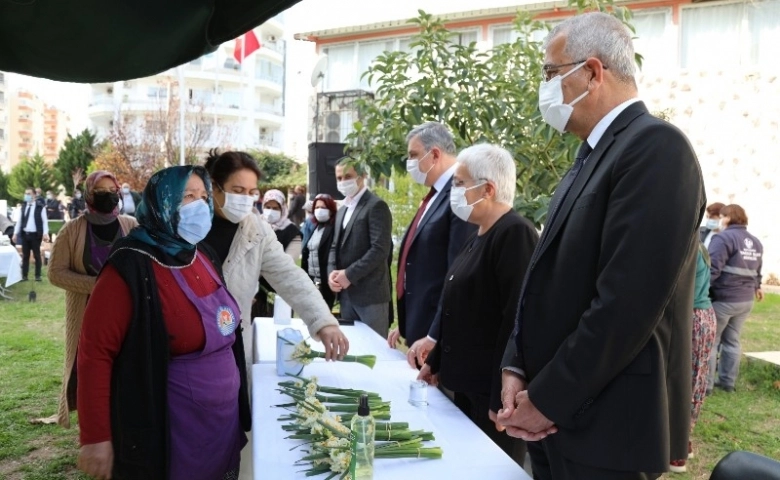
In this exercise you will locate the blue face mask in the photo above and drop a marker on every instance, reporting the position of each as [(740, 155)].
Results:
[(712, 223), (27, 197), (194, 221)]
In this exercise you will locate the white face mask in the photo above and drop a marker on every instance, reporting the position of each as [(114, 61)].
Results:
[(723, 223), (554, 112), (348, 188), (458, 203), (413, 167), (322, 214), (272, 216), (237, 207)]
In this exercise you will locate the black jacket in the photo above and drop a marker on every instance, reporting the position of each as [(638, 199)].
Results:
[(478, 306), (139, 380), (605, 311), (322, 255)]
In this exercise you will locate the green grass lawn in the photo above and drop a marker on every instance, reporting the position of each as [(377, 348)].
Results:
[(31, 357)]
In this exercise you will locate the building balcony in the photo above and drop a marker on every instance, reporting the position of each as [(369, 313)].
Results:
[(269, 144), (272, 51), (274, 25)]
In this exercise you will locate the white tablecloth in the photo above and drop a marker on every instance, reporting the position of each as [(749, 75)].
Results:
[(362, 340), (10, 265), (468, 453)]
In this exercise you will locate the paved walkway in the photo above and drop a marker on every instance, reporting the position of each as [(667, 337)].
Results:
[(771, 357)]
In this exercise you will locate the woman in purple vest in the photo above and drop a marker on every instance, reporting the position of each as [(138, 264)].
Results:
[(81, 249), (162, 375)]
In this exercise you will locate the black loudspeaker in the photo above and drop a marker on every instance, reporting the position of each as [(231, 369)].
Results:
[(323, 158)]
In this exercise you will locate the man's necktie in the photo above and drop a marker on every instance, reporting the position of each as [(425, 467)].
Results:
[(399, 283), (563, 188), (567, 182)]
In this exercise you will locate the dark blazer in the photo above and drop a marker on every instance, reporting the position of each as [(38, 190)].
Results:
[(362, 248), (323, 252), (437, 241), (479, 304), (605, 310)]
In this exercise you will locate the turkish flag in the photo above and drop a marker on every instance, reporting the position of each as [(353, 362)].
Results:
[(249, 42)]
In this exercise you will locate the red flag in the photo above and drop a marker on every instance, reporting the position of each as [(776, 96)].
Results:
[(250, 44)]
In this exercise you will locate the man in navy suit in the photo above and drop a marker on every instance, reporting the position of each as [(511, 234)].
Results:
[(430, 244), (597, 376)]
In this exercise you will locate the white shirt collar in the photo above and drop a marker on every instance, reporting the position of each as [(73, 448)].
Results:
[(445, 177), (352, 201), (606, 121)]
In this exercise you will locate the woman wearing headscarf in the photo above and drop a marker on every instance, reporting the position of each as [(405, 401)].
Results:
[(288, 234), (275, 213), (314, 257), (77, 256), (162, 387)]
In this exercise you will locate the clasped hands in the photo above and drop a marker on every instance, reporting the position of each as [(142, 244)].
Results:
[(519, 417), (338, 281)]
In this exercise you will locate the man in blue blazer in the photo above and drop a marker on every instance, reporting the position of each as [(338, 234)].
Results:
[(430, 244), (597, 376)]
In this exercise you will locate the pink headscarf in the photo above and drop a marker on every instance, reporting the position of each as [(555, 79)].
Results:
[(92, 215), (277, 197)]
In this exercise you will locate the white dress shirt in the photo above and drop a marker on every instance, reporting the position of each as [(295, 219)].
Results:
[(606, 121), (439, 186), (29, 210), (351, 203)]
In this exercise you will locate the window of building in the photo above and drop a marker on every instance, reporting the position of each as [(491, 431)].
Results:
[(342, 68), (654, 39), (745, 33), (367, 53), (501, 34), (157, 92), (2, 134), (465, 37), (231, 98)]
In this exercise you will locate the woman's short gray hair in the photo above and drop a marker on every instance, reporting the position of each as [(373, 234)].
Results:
[(433, 134), (599, 35), (492, 163)]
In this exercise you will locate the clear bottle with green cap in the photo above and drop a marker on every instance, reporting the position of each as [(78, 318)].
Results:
[(362, 426)]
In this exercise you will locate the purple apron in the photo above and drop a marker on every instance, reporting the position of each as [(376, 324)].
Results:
[(206, 436), (98, 253)]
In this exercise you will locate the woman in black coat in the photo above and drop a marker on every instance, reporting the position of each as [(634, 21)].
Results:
[(314, 256)]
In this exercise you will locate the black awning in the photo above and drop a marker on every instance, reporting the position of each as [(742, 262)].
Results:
[(92, 41)]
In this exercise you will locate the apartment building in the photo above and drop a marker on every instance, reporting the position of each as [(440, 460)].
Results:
[(227, 103)]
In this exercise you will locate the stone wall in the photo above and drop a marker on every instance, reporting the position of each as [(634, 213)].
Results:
[(732, 118)]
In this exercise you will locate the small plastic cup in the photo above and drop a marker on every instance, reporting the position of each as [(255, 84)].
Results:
[(418, 393)]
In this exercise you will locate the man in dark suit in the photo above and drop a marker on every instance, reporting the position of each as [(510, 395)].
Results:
[(53, 206), (598, 368), (31, 229), (430, 244), (357, 264)]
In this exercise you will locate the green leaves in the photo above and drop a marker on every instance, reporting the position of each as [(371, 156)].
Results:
[(31, 172), (74, 160), (481, 96)]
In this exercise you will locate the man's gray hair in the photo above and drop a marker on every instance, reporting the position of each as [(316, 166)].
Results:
[(598, 35), (493, 163), (433, 134)]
